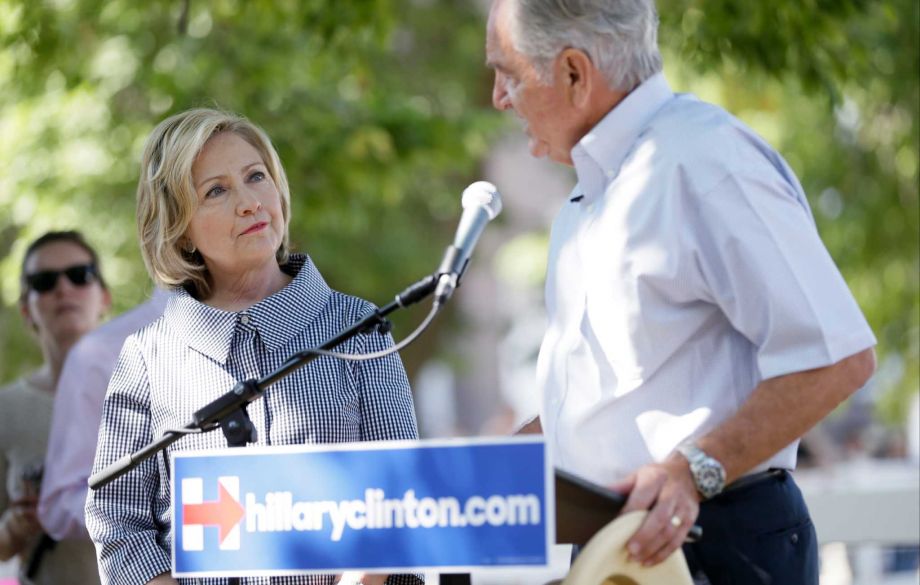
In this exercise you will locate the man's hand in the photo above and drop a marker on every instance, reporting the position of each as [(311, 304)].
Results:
[(668, 492), (779, 410)]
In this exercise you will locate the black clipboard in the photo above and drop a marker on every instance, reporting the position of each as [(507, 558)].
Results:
[(583, 508)]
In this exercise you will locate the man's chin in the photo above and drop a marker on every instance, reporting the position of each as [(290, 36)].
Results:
[(538, 149), (561, 158), (542, 150)]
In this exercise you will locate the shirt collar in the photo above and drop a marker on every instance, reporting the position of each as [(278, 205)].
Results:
[(277, 319), (600, 152)]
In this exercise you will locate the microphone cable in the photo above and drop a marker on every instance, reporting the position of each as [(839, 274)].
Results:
[(435, 309), (362, 357)]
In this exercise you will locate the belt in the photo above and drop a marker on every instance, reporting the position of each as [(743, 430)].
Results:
[(754, 479)]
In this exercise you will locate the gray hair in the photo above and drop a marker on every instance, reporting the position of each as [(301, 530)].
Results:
[(620, 36)]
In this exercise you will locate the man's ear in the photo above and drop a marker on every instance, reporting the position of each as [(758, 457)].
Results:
[(575, 69)]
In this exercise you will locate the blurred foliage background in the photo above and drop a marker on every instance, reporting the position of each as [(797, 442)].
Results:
[(381, 112)]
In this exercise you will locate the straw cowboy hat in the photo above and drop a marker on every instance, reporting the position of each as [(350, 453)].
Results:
[(603, 560)]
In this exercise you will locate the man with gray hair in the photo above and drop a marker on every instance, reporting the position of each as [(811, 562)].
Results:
[(697, 326)]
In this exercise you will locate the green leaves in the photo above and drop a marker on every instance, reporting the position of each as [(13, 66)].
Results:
[(381, 112), (805, 39), (371, 153)]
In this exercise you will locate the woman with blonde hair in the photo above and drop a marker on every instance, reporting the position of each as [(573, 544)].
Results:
[(213, 208), (62, 296)]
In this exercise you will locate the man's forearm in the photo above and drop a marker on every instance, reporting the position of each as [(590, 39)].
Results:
[(782, 409)]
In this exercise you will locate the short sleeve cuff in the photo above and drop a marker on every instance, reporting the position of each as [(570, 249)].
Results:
[(798, 359)]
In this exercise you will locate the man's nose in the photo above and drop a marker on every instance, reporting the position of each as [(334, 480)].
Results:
[(500, 99)]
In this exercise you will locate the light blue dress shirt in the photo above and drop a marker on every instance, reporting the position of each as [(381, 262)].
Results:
[(684, 269)]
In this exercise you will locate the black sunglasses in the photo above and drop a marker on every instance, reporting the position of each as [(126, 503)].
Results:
[(46, 280)]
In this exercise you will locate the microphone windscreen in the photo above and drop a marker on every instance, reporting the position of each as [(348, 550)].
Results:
[(483, 194)]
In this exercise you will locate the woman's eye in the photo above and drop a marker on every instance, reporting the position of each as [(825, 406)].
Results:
[(214, 191), (257, 176)]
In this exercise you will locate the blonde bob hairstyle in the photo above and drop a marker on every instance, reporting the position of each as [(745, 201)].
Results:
[(166, 197)]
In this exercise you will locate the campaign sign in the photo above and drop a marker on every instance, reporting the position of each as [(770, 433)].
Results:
[(377, 507)]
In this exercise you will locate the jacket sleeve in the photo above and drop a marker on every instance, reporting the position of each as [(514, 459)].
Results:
[(386, 398)]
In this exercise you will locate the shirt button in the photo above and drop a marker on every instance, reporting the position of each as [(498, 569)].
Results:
[(244, 319)]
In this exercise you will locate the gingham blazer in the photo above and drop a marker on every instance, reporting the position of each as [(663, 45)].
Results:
[(195, 353)]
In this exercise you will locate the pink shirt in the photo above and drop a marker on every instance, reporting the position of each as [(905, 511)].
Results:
[(75, 421)]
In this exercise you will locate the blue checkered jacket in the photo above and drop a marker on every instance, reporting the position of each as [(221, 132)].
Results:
[(195, 353)]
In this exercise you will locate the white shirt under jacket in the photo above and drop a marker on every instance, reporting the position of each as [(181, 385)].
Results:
[(684, 268)]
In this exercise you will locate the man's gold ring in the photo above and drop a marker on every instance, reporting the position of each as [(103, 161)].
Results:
[(676, 521)]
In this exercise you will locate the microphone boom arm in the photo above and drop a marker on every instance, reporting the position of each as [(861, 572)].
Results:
[(228, 411)]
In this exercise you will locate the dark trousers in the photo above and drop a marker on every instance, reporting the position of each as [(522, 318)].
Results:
[(758, 534)]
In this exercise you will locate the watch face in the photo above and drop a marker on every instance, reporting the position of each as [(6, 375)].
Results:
[(710, 478)]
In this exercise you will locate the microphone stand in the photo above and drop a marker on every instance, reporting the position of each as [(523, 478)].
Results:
[(228, 412)]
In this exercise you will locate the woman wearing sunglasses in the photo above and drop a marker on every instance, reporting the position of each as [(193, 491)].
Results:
[(62, 297), (213, 211)]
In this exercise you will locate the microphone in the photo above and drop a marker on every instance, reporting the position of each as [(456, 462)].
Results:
[(481, 204)]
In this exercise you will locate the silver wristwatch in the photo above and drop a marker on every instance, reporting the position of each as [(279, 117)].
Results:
[(708, 473)]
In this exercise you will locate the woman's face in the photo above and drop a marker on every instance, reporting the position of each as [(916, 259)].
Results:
[(238, 225), (66, 311)]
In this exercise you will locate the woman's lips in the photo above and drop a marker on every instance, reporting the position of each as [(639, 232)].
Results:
[(255, 228)]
